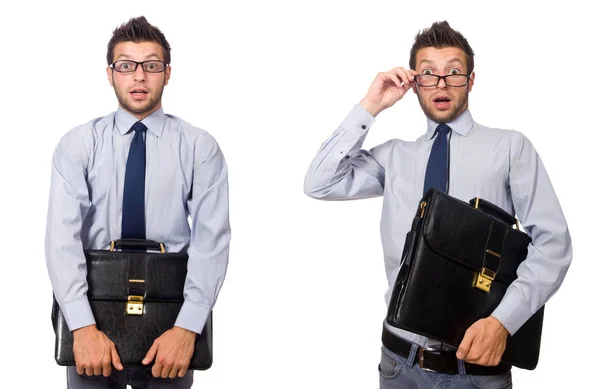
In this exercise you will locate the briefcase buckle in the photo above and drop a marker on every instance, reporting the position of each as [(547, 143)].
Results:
[(484, 280), (135, 305)]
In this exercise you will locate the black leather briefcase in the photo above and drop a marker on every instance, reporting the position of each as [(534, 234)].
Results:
[(135, 297), (458, 261)]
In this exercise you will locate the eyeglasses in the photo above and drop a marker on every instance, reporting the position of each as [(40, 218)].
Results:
[(454, 80), (127, 67)]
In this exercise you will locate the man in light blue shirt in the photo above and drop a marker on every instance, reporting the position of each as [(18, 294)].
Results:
[(500, 166), (185, 176)]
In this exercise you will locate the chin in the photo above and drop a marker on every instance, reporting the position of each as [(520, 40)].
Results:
[(443, 117), (140, 109)]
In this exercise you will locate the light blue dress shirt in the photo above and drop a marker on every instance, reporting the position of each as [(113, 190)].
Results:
[(186, 176), (500, 166)]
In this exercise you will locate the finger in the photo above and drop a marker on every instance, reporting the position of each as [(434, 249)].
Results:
[(151, 354), (80, 369), (165, 371), (116, 359), (465, 346), (89, 371), (477, 354), (106, 366), (156, 369), (410, 76), (183, 371), (173, 373), (382, 80), (97, 369), (393, 77), (406, 77), (496, 357)]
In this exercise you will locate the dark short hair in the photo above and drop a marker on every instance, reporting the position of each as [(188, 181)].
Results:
[(441, 35), (138, 30)]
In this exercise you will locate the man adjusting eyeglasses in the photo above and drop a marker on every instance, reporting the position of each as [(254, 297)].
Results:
[(464, 159)]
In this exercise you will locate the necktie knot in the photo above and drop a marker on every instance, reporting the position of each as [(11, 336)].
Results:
[(139, 127), (443, 128)]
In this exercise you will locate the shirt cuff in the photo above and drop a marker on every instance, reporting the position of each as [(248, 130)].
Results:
[(192, 317), (512, 313), (78, 313), (358, 121)]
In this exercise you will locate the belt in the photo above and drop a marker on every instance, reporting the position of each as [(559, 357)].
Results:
[(441, 361)]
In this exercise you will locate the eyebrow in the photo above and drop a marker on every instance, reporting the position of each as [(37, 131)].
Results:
[(449, 64), (151, 55), (452, 60)]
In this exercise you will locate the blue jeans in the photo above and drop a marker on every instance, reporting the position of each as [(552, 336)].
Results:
[(395, 372), (137, 378)]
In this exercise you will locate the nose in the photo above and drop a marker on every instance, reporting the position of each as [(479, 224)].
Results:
[(139, 74), (442, 83)]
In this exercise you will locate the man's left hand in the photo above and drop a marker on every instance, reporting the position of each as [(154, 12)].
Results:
[(484, 342), (172, 351)]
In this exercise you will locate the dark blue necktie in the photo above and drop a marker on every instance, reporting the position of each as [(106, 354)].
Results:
[(436, 175), (133, 222)]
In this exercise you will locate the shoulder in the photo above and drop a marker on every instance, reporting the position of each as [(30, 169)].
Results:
[(197, 139), (400, 145), (79, 142), (515, 142), (497, 133), (189, 132)]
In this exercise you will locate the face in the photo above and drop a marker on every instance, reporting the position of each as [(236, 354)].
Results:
[(443, 103), (139, 92)]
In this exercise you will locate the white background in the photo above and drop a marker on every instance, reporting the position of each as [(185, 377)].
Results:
[(271, 80)]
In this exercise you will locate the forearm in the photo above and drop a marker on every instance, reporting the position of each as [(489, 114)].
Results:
[(550, 253), (341, 170), (65, 259), (208, 254)]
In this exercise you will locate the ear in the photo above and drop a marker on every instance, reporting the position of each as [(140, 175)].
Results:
[(109, 75), (471, 81), (167, 74), (415, 88)]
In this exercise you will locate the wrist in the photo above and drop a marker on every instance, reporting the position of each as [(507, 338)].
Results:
[(371, 108), (185, 331), (499, 325), (84, 330)]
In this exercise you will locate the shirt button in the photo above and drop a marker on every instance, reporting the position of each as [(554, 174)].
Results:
[(363, 127), (347, 156)]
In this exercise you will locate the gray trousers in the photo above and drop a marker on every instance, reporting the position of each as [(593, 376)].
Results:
[(137, 378), (395, 372)]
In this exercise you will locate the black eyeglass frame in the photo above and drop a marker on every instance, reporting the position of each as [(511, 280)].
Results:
[(165, 65), (443, 77)]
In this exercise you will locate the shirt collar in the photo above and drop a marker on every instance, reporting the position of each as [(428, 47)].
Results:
[(461, 125), (155, 121)]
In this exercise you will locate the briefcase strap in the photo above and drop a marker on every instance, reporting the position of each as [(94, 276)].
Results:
[(493, 210), (137, 244)]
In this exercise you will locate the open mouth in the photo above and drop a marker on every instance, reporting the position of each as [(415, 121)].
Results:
[(442, 102), (138, 93)]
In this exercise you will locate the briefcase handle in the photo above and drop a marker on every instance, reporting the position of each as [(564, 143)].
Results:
[(493, 210), (137, 244)]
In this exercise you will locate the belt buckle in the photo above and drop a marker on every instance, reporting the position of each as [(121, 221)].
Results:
[(422, 357)]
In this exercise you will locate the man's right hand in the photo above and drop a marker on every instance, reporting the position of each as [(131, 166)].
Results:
[(387, 89), (94, 352)]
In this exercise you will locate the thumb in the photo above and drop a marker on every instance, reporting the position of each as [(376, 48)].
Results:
[(151, 353), (116, 360), (465, 346)]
